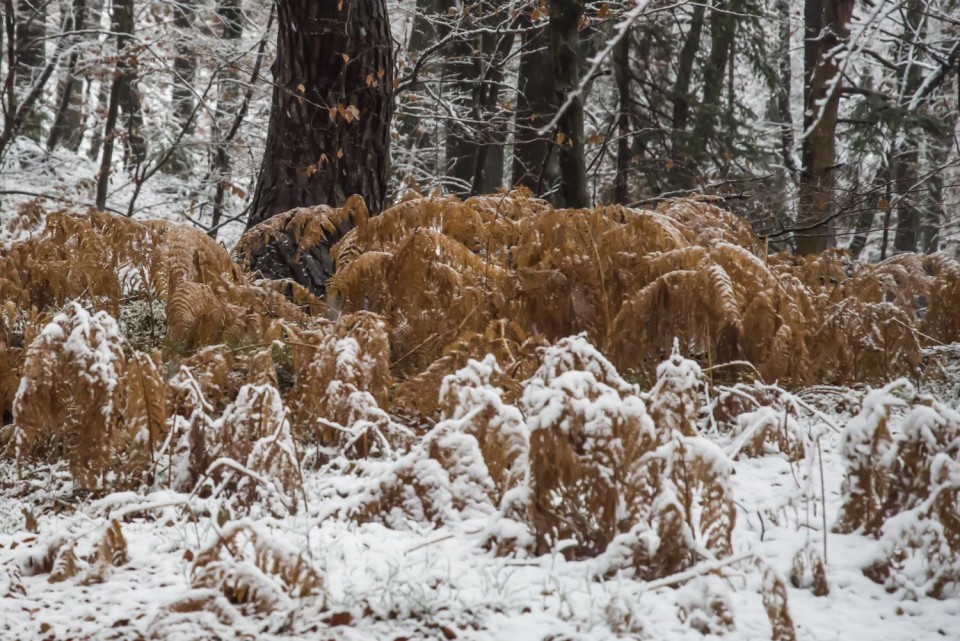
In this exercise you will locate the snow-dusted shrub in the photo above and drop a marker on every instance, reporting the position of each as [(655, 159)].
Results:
[(255, 572), (769, 428), (604, 480), (190, 424), (692, 506), (340, 388), (676, 399), (253, 452), (808, 571), (442, 479), (922, 545), (778, 611), (473, 396), (904, 488), (704, 604), (868, 453), (588, 433), (69, 400)]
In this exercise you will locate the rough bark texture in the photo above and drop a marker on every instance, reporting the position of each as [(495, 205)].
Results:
[(825, 29), (565, 48), (332, 102), (534, 160)]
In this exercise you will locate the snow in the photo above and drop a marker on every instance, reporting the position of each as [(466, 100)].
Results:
[(383, 581)]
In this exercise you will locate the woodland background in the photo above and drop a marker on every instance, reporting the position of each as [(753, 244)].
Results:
[(718, 98)]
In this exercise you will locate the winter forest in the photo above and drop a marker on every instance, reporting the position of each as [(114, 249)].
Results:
[(548, 320)]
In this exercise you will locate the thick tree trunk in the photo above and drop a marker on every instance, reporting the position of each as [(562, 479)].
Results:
[(534, 157), (565, 47), (332, 102), (825, 29)]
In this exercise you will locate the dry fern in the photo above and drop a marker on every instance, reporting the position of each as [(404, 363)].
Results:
[(254, 572), (69, 400)]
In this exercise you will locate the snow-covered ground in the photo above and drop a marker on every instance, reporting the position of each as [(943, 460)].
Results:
[(421, 582)]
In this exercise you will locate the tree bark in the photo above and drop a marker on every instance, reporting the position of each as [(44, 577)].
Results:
[(680, 139), (31, 57), (332, 101), (67, 128), (184, 62), (621, 63), (908, 147), (825, 30), (534, 158), (123, 97), (565, 47)]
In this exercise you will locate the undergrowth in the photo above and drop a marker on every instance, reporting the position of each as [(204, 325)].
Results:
[(561, 376)]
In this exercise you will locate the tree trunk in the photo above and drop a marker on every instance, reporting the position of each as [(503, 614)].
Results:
[(534, 157), (122, 97), (67, 128), (565, 48), (825, 29), (496, 44), (680, 139), (460, 68), (908, 146), (332, 101), (184, 62), (722, 32), (621, 63), (31, 57), (231, 17)]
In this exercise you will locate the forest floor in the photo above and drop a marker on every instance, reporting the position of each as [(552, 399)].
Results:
[(422, 582)]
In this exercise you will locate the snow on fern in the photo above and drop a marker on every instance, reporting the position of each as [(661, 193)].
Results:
[(868, 454), (254, 451), (69, 395), (675, 400), (587, 435), (472, 396)]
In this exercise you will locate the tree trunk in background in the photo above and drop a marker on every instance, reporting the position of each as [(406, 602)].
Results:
[(722, 32), (329, 130), (495, 46), (534, 158), (185, 61), (680, 140), (425, 32), (230, 14), (458, 80), (825, 28), (31, 57), (908, 145), (135, 145), (783, 88), (565, 48), (621, 65), (67, 128), (123, 97)]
